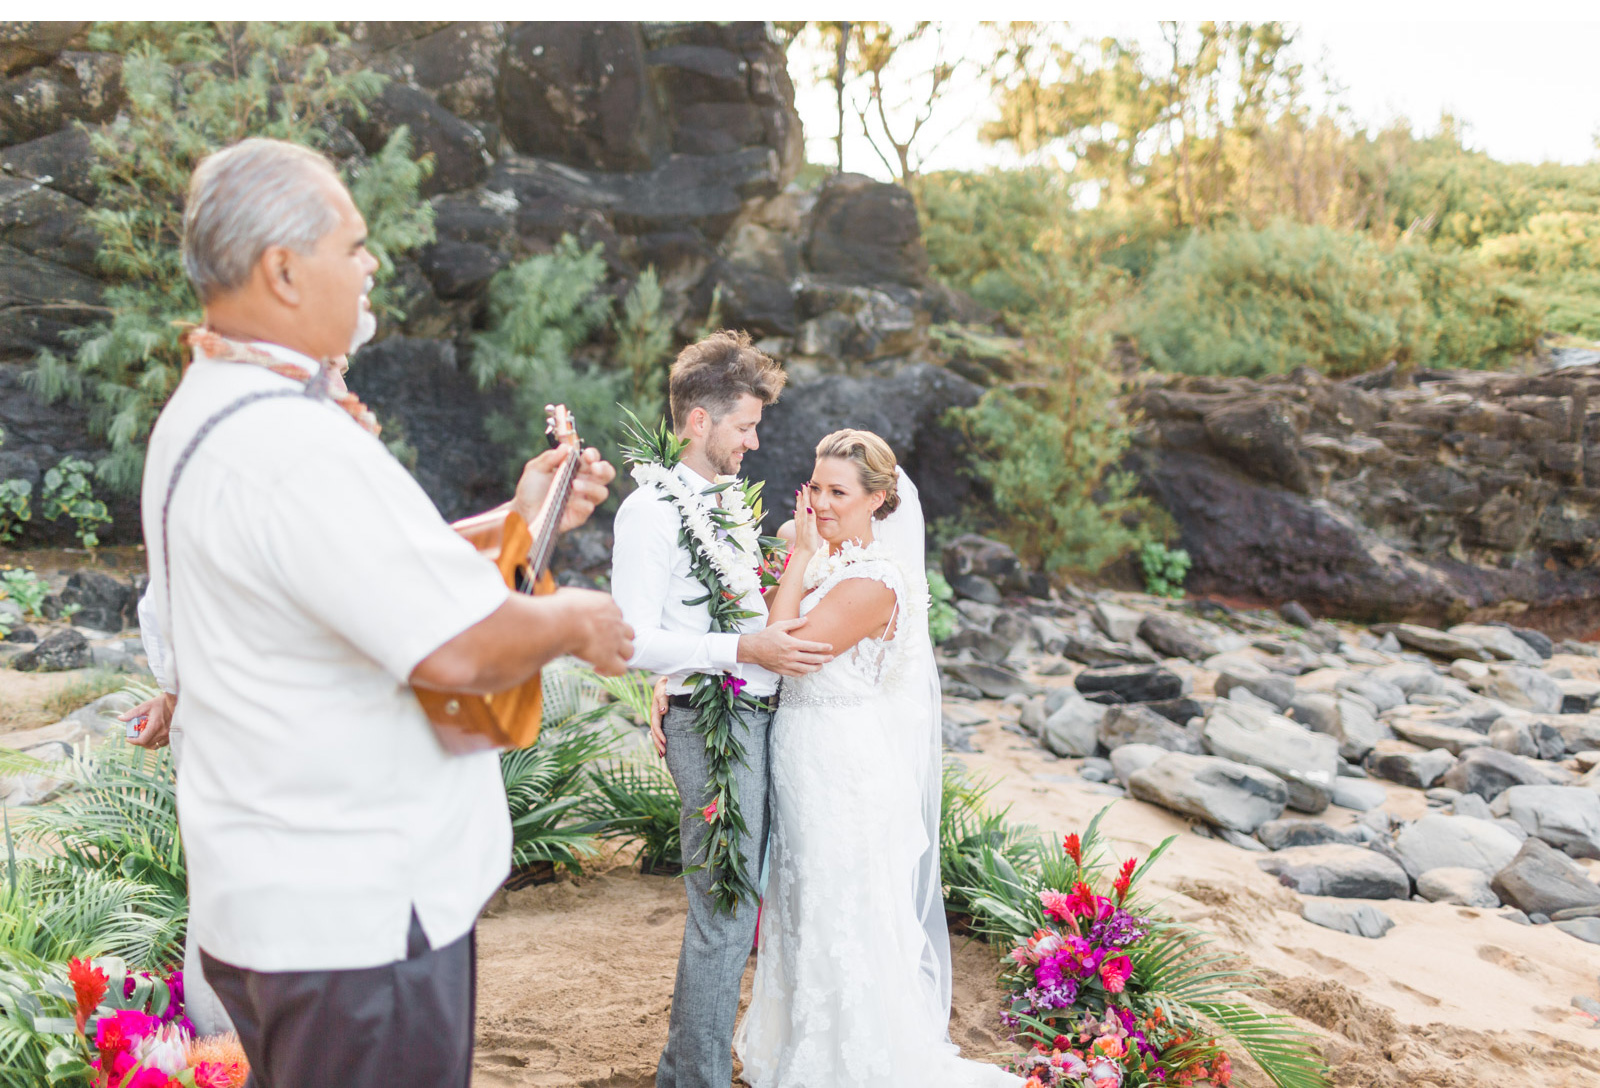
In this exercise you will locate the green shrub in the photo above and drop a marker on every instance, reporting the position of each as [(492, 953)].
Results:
[(1255, 302), (26, 588), (540, 310), (942, 615), (644, 337), (15, 511), (1164, 569), (1264, 302), (69, 493), (191, 89)]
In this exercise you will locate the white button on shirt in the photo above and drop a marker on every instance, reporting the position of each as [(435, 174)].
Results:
[(651, 584), (310, 575)]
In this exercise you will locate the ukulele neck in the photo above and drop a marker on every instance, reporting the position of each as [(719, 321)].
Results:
[(555, 507)]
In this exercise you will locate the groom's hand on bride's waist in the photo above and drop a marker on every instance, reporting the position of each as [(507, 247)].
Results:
[(779, 648)]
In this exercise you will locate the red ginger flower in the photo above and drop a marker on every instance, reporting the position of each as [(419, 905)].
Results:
[(88, 986), (1122, 882), (710, 811), (1074, 848)]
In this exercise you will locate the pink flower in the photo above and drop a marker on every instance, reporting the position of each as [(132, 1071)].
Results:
[(1057, 905), (1114, 973), (710, 811), (733, 683)]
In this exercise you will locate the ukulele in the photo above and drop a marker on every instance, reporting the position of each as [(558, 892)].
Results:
[(511, 718)]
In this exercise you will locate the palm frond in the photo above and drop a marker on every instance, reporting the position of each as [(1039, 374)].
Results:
[(544, 786), (637, 800)]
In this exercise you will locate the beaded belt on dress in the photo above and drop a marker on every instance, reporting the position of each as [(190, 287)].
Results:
[(806, 696)]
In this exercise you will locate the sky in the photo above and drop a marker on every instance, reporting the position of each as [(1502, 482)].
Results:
[(1526, 91)]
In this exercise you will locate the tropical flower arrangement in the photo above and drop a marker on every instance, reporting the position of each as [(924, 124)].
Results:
[(1107, 993), (131, 1032)]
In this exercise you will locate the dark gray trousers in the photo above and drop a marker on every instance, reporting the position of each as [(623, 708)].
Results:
[(716, 945), (403, 1025)]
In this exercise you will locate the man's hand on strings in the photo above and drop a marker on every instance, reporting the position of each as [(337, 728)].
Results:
[(589, 487)]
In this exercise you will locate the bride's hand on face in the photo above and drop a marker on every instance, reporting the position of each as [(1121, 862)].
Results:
[(807, 541)]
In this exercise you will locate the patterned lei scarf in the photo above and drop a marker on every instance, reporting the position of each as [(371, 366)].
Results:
[(219, 348)]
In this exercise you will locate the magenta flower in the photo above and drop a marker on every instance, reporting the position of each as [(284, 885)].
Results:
[(733, 683)]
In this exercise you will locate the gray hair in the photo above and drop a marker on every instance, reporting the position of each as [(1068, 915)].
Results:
[(246, 198)]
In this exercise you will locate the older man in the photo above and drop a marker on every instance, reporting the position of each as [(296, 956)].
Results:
[(338, 856)]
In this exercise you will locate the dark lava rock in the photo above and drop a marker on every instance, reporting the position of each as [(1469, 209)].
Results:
[(864, 231), (104, 603), (1294, 612), (1171, 637), (1179, 710), (979, 556), (1281, 834), (1134, 683), (994, 681), (24, 634), (1542, 880), (62, 650), (1488, 772), (460, 155), (60, 160), (1137, 725), (1419, 770)]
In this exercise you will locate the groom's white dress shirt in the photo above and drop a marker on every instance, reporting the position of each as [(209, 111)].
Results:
[(650, 581), (310, 575)]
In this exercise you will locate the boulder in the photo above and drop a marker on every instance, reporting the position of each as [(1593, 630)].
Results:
[(1356, 919), (1580, 733), (1461, 885), (1488, 771), (1499, 641), (1182, 710), (104, 604), (1092, 648), (1431, 640), (1585, 929), (1072, 729), (1417, 769), (1542, 880), (1273, 688), (1382, 694), (1318, 711), (1524, 688), (1172, 636), (1541, 643), (1339, 870), (995, 682), (460, 154), (459, 63), (1285, 833), (1566, 817), (1578, 696), (1306, 761), (1350, 723), (1119, 624), (1127, 759), (1133, 683), (1436, 727), (30, 44), (1294, 612), (61, 651), (1139, 725), (1358, 794), (866, 232), (1438, 842), (971, 554), (74, 86), (37, 219), (60, 160), (1219, 791), (578, 93)]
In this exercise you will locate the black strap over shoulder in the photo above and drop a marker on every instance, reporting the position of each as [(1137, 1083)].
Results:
[(315, 389)]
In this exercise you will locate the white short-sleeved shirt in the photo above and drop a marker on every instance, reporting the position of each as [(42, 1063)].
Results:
[(310, 575)]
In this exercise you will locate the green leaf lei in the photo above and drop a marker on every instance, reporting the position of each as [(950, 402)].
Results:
[(717, 699)]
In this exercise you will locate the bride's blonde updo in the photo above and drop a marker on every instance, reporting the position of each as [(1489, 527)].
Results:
[(874, 461)]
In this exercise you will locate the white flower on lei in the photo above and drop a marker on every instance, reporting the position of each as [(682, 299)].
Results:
[(734, 554)]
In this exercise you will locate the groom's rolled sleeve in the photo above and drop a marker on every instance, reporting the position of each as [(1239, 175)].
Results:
[(643, 585)]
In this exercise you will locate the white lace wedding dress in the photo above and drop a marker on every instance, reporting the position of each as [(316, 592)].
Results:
[(847, 991)]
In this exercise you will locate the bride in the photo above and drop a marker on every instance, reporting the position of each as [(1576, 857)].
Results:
[(852, 981)]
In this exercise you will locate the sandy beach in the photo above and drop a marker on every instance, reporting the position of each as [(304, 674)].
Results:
[(575, 978)]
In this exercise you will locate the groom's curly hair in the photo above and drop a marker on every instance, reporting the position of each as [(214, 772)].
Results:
[(716, 372)]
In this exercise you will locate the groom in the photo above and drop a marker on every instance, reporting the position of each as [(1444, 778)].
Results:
[(717, 390)]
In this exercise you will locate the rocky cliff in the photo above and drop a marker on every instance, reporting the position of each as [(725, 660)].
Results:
[(1431, 498), (672, 145), (1438, 497)]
